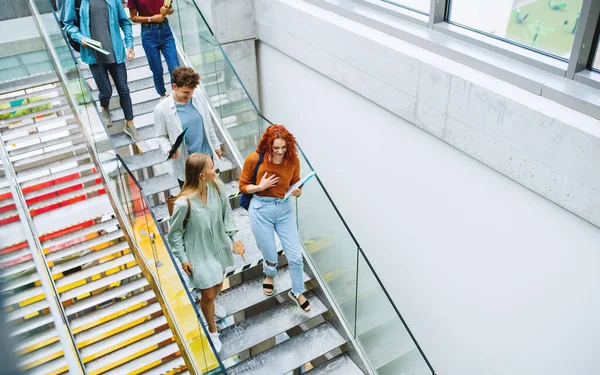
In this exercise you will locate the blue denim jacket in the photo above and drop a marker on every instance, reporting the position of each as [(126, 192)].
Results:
[(119, 20)]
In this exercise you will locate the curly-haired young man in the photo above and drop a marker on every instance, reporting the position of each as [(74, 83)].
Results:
[(185, 109)]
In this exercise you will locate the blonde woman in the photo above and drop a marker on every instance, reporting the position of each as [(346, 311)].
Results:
[(201, 243)]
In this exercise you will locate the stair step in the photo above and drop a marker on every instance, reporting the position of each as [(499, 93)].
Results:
[(145, 160), (29, 94), (139, 96), (14, 256), (68, 251), (16, 269), (68, 216), (19, 282), (27, 116), (11, 234), (411, 363), (112, 293), (131, 351), (167, 367), (62, 186), (385, 343), (30, 324), (340, 365), (41, 134), (292, 353), (102, 330), (31, 105), (49, 367), (89, 257), (158, 184), (67, 119), (64, 152), (137, 82), (85, 167), (266, 325), (40, 354), (250, 293), (67, 196), (161, 212), (22, 295), (121, 337), (138, 109), (36, 339), (94, 270), (26, 310), (47, 169), (67, 239), (105, 281), (70, 139), (132, 366), (121, 139)]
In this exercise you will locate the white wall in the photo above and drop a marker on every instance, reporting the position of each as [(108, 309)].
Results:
[(491, 277)]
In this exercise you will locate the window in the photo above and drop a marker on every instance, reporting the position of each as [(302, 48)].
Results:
[(544, 25), (421, 6), (596, 64)]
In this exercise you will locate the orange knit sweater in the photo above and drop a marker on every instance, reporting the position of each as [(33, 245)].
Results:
[(288, 173)]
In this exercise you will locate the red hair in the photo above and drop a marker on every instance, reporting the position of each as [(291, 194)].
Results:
[(270, 135)]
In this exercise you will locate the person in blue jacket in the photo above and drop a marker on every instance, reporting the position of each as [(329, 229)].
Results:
[(102, 21)]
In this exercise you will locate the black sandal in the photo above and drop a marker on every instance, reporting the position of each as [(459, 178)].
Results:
[(303, 306), (268, 286)]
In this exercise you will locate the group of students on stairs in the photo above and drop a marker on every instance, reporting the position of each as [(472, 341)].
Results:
[(202, 225)]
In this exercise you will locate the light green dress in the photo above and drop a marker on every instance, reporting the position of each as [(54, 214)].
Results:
[(205, 243)]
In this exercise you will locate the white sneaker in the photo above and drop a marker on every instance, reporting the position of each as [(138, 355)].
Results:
[(214, 337), (106, 117), (133, 133), (220, 312)]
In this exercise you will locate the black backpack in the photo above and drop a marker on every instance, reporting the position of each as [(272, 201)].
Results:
[(76, 46)]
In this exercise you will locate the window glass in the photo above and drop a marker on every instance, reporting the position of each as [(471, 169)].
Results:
[(421, 6), (545, 25), (596, 64)]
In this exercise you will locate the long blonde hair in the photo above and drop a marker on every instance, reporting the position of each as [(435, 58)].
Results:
[(195, 165)]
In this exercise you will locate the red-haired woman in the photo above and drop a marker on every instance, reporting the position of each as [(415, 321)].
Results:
[(279, 169)]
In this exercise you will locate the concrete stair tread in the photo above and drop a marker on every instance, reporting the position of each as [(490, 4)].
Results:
[(167, 367), (411, 363), (28, 116), (68, 216), (47, 168), (85, 167), (386, 343), (42, 123), (144, 160), (250, 293), (72, 139), (123, 320), (22, 295), (112, 341), (66, 240), (62, 186), (42, 134), (14, 255), (31, 105), (26, 310), (64, 152), (30, 324), (141, 81), (158, 184), (19, 282), (161, 212), (121, 139), (268, 324), (39, 354), (101, 282), (138, 109), (15, 269), (292, 353), (29, 94), (158, 354), (340, 365), (139, 96), (49, 367), (128, 351), (34, 80), (94, 270), (90, 257), (112, 293), (36, 339), (67, 196)]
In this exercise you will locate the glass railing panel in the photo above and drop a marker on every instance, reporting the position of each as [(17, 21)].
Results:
[(329, 246), (227, 94), (168, 275), (382, 336)]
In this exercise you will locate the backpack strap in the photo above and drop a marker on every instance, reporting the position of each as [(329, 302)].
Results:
[(187, 215), (260, 160)]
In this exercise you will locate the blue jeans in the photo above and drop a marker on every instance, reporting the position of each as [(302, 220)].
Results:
[(157, 38), (267, 216)]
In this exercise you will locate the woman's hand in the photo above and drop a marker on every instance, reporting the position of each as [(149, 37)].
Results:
[(238, 248), (187, 267), (130, 54), (268, 182), (297, 192)]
